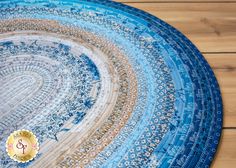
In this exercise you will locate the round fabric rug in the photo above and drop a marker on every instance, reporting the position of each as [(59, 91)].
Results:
[(102, 84)]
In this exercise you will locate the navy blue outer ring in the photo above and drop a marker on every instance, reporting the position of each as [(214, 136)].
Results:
[(152, 20)]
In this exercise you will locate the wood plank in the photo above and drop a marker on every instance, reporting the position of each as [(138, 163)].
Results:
[(168, 1), (224, 66), (226, 154), (210, 26)]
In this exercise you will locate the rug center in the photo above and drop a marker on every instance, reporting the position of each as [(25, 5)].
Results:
[(45, 84)]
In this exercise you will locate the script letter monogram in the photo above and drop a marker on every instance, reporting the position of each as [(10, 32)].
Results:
[(20, 145)]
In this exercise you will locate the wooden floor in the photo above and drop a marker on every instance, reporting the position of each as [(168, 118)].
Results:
[(211, 26)]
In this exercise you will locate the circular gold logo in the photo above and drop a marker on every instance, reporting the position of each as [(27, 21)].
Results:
[(22, 146)]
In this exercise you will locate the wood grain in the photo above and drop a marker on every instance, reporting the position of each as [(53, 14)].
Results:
[(224, 66), (210, 26), (226, 154)]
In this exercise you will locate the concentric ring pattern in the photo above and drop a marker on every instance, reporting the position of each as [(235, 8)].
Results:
[(102, 84)]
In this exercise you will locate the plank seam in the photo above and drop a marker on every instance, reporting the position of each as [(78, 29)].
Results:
[(218, 52), (229, 128)]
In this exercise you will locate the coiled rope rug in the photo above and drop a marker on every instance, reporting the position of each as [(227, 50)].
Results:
[(102, 84)]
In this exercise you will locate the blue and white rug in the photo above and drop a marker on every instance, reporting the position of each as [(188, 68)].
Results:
[(102, 84)]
